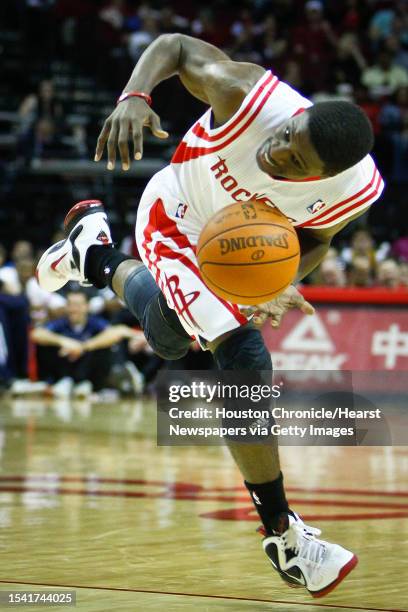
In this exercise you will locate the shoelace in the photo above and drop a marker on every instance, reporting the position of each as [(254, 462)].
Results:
[(301, 539)]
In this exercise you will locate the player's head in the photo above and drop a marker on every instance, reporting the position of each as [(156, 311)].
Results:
[(324, 140)]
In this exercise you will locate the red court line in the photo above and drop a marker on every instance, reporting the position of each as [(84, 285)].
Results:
[(293, 603), (193, 487), (188, 496)]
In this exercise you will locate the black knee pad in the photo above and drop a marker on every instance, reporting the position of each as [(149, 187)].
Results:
[(160, 324), (245, 360), (165, 340), (243, 350)]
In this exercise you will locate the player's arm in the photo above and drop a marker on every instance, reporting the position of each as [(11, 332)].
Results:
[(205, 71)]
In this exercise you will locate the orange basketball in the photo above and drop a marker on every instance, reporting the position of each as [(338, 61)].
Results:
[(248, 253)]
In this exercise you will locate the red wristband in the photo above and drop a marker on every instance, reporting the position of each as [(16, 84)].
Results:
[(135, 94)]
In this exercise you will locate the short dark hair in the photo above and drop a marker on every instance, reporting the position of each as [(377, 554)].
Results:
[(341, 133), (77, 292)]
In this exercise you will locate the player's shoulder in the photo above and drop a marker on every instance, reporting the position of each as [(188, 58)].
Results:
[(363, 174), (357, 187), (229, 75)]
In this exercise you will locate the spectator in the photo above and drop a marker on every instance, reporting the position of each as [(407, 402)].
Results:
[(330, 273), (138, 41), (349, 61), (293, 74), (362, 245), (205, 27), (113, 14), (359, 272), (43, 305), (404, 274), (21, 249), (170, 22), (76, 349), (314, 43), (388, 274), (136, 365), (393, 45), (243, 33), (385, 76), (381, 24), (41, 105), (399, 249), (14, 320), (271, 43)]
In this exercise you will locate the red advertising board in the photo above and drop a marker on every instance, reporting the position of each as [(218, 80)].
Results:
[(341, 338)]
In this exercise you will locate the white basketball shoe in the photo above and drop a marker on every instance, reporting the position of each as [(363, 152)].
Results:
[(304, 561), (85, 225)]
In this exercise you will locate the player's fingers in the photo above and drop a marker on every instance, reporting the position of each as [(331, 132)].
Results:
[(270, 309), (112, 143), (137, 135), (123, 143), (247, 312), (307, 308), (276, 320), (103, 137), (259, 318), (156, 127)]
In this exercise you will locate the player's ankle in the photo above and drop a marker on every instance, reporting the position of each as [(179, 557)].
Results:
[(101, 264), (270, 502)]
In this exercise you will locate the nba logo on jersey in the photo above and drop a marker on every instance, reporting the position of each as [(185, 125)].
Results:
[(181, 210), (316, 206)]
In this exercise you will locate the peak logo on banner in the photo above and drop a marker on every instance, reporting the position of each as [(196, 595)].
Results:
[(309, 335), (308, 346)]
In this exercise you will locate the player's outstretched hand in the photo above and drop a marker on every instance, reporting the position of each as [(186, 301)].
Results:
[(128, 119), (276, 309)]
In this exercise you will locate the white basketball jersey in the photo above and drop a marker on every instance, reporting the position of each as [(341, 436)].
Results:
[(213, 167)]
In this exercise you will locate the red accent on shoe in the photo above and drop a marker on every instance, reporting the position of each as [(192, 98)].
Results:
[(102, 237), (79, 208), (261, 529), (345, 570), (56, 262)]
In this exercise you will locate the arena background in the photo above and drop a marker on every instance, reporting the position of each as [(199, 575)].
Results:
[(63, 64)]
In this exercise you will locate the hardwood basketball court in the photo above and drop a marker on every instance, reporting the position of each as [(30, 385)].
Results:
[(90, 503)]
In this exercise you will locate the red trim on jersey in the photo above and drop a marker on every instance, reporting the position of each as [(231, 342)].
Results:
[(159, 221), (299, 110), (185, 153), (336, 206), (357, 204), (200, 131)]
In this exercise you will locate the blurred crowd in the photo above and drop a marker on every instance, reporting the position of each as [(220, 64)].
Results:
[(78, 342), (353, 49), (81, 341), (363, 264)]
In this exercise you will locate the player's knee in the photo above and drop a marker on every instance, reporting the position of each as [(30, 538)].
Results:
[(166, 337), (243, 350), (160, 324)]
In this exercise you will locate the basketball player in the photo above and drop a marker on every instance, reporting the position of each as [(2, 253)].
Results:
[(259, 139)]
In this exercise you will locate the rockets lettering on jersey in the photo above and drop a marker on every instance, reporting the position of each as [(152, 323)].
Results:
[(212, 167)]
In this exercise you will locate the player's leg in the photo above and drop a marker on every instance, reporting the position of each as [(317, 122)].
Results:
[(299, 557), (88, 256), (294, 551)]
